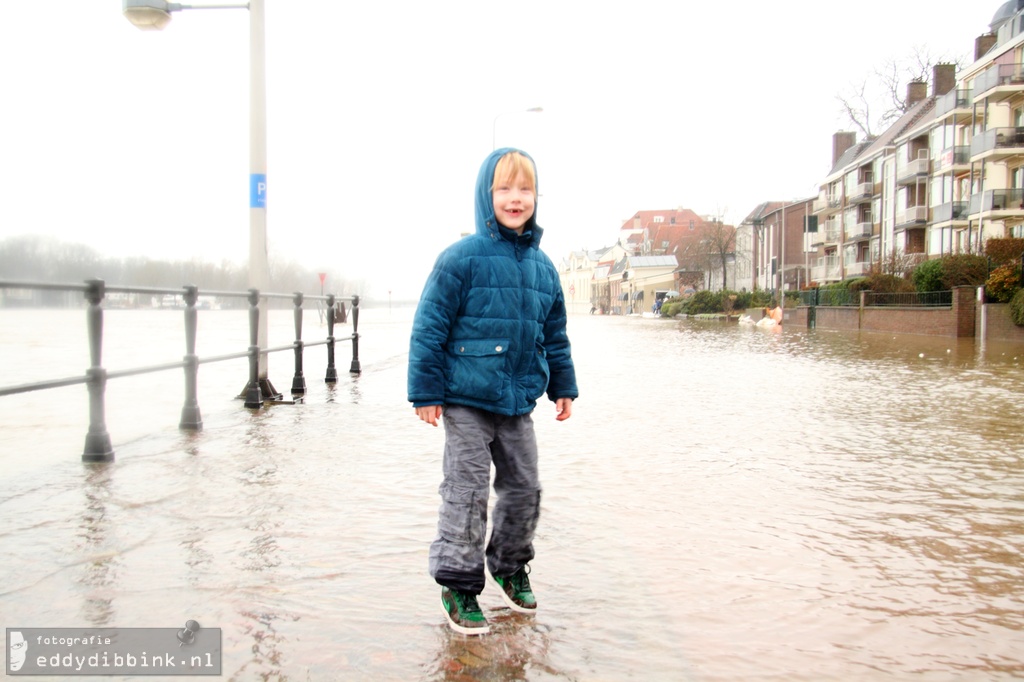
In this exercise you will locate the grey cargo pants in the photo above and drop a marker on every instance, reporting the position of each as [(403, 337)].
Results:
[(473, 440)]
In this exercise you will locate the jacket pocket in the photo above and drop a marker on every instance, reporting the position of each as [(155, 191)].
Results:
[(535, 381), (477, 368)]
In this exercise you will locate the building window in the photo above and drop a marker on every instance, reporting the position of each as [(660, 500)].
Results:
[(659, 218)]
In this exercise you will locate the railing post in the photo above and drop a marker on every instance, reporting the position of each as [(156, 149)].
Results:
[(97, 441), (253, 394), (298, 381), (190, 417), (332, 372), (355, 368)]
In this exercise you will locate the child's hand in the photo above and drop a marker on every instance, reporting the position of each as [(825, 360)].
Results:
[(563, 409), (429, 413)]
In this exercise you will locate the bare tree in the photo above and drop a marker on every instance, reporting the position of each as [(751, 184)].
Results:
[(881, 97), (711, 249)]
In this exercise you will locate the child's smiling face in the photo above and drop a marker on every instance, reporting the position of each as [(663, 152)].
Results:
[(514, 201)]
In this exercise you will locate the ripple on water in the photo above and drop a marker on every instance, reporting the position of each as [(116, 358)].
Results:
[(724, 504)]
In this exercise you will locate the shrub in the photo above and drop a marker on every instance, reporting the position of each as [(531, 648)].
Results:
[(742, 301), (1003, 283), (1003, 251), (928, 276), (704, 302), (964, 269), (672, 307), (888, 284), (1017, 308), (833, 294), (858, 284), (760, 298)]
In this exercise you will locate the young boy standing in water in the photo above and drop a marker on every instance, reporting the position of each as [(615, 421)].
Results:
[(488, 339)]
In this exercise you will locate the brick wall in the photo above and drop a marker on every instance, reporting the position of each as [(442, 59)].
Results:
[(930, 321), (963, 320), (1000, 326), (847, 319)]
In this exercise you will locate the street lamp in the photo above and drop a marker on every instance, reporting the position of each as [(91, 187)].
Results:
[(155, 15), (494, 125)]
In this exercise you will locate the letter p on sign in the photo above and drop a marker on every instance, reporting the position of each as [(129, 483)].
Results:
[(257, 190)]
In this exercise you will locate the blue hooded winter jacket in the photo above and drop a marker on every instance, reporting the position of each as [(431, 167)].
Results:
[(489, 331)]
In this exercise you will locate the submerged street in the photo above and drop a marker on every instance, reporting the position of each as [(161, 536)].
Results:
[(724, 504)]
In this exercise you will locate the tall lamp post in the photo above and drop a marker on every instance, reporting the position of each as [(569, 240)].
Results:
[(494, 125), (155, 15)]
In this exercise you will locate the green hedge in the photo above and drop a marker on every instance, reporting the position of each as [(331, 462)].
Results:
[(928, 276), (1017, 308)]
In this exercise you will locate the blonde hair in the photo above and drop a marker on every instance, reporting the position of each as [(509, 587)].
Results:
[(514, 165)]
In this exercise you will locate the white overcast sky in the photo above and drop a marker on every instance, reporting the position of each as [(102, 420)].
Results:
[(379, 114)]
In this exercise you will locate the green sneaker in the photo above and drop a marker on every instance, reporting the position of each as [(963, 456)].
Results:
[(515, 590), (463, 612)]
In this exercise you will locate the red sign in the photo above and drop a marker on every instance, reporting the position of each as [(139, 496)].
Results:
[(323, 276)]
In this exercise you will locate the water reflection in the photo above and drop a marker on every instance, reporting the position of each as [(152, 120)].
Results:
[(516, 649), (99, 567)]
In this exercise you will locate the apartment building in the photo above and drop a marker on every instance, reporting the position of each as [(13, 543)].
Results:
[(945, 177), (773, 246), (994, 129)]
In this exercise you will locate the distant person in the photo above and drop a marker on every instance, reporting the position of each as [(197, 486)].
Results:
[(488, 339)]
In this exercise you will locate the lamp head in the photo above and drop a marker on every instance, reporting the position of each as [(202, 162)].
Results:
[(148, 15)]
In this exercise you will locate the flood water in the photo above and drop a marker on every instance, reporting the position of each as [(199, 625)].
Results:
[(725, 504)]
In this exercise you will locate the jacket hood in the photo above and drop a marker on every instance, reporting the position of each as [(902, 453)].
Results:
[(486, 223)]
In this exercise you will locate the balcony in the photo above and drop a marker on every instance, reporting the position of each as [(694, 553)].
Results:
[(862, 193), (913, 171), (858, 268), (953, 159), (827, 270), (999, 82), (830, 235), (953, 102), (825, 204), (949, 212), (859, 232), (912, 216), (997, 203), (998, 143)]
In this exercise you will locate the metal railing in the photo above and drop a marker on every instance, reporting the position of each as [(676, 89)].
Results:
[(1011, 138), (999, 75), (997, 200), (951, 101), (843, 297), (909, 299), (98, 446)]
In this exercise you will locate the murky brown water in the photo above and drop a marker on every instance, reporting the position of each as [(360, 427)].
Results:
[(725, 504)]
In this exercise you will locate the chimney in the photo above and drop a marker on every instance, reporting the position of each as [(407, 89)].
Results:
[(943, 79), (841, 141), (982, 44), (916, 91)]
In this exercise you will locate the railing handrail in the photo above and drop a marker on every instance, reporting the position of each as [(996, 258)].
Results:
[(167, 291), (98, 446)]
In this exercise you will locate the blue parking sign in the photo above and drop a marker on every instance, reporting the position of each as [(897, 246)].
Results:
[(257, 190)]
